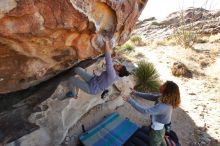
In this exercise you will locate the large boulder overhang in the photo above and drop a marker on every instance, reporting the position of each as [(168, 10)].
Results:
[(43, 39), (39, 39)]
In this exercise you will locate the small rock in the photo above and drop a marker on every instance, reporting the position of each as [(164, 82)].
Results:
[(180, 69), (205, 135), (202, 115), (44, 107), (38, 116), (1, 135), (206, 139), (203, 142), (67, 139), (198, 131), (193, 143), (204, 64), (37, 109)]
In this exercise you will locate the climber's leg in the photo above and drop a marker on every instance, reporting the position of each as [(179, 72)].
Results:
[(82, 73), (76, 83)]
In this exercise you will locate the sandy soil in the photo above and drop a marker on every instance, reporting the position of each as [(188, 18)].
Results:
[(197, 121)]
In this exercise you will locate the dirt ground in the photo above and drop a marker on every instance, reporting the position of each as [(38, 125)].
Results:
[(197, 121)]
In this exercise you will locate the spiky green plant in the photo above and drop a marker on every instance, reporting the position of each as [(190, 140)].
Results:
[(147, 77), (128, 47)]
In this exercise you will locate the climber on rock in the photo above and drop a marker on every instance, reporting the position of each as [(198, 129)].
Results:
[(94, 84)]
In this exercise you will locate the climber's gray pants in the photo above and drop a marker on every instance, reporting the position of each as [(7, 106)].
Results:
[(78, 83)]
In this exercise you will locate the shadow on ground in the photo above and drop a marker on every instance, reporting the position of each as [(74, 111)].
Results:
[(189, 134), (16, 107), (14, 123)]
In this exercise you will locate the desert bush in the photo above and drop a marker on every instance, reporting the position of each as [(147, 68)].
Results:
[(201, 41), (155, 23), (160, 43), (137, 40), (185, 34), (128, 47), (170, 41), (125, 48), (147, 78), (139, 55), (185, 38)]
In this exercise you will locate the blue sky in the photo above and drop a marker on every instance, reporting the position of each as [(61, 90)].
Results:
[(161, 8)]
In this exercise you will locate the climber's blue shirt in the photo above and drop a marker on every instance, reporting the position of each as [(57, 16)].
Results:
[(100, 83)]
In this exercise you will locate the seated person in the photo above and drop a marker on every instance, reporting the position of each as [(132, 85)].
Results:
[(161, 112)]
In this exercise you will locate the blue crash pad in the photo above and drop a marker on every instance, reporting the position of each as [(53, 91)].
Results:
[(113, 130)]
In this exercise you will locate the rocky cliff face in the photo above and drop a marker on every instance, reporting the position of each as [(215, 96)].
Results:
[(39, 39)]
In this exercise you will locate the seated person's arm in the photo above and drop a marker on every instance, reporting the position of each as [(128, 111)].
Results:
[(154, 110), (147, 96)]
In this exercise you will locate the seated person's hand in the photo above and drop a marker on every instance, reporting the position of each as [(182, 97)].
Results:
[(125, 98), (132, 91)]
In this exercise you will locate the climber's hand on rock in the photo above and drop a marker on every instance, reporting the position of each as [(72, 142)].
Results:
[(132, 91), (107, 45), (125, 98)]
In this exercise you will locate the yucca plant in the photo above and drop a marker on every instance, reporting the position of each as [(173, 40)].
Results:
[(147, 77)]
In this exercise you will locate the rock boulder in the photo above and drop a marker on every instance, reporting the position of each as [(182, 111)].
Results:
[(39, 39)]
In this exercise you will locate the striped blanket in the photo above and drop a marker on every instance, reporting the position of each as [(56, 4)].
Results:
[(112, 131)]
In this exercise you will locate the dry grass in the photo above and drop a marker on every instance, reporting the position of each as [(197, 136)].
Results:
[(214, 38), (163, 42), (185, 38), (215, 99), (126, 48), (166, 42), (139, 55), (137, 41), (155, 23)]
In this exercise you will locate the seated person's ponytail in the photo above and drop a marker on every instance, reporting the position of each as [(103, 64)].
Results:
[(123, 72)]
